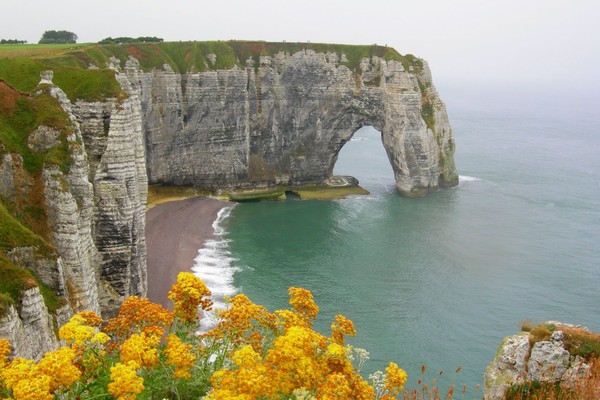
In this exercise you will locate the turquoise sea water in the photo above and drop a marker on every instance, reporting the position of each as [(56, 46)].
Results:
[(438, 280)]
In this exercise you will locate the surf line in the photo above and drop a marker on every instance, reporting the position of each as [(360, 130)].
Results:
[(213, 265)]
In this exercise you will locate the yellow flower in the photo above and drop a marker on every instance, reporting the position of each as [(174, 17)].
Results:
[(26, 381), (91, 318), (76, 331), (188, 294), (100, 338), (179, 356), (395, 378), (303, 302), (291, 318), (4, 351), (58, 365), (140, 350), (125, 383), (246, 356), (335, 387), (138, 315), (340, 328), (240, 322)]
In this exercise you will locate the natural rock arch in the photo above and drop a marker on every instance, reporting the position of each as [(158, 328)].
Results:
[(351, 158), (284, 122)]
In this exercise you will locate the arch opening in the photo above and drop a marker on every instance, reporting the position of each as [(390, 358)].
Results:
[(365, 158)]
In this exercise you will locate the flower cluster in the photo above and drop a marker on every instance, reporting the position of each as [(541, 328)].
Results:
[(77, 331), (340, 328), (303, 303), (395, 379), (141, 350), (4, 351), (297, 359), (58, 366), (189, 294), (244, 323), (179, 356), (125, 383), (139, 315), (28, 380), (251, 354)]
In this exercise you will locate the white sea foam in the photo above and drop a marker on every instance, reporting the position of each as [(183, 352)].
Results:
[(213, 265), (466, 178)]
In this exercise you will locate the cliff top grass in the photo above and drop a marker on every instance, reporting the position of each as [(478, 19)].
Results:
[(20, 115), (20, 65)]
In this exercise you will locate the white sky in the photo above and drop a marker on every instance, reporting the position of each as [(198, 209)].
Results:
[(545, 42)]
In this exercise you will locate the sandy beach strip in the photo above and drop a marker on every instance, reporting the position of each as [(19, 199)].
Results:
[(175, 231)]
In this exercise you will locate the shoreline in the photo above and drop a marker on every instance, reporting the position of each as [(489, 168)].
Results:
[(175, 231)]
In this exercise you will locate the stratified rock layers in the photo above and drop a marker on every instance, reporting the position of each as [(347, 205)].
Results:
[(284, 122)]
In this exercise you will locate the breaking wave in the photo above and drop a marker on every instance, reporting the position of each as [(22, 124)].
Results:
[(213, 265)]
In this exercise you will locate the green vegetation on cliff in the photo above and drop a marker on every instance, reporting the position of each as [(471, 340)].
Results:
[(20, 65), (23, 219), (14, 280)]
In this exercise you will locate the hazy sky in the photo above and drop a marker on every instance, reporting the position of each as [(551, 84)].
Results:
[(547, 42)]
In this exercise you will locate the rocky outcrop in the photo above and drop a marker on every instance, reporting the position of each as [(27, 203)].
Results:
[(517, 362), (284, 121), (30, 328)]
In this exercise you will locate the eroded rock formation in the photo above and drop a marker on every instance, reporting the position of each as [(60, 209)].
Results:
[(263, 122), (285, 121), (94, 215)]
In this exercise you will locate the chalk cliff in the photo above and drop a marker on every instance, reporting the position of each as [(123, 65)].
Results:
[(88, 251), (215, 115), (284, 121)]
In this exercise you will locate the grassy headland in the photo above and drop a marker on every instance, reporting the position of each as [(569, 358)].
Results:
[(20, 65)]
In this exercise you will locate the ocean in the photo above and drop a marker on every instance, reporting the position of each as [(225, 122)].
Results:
[(438, 280)]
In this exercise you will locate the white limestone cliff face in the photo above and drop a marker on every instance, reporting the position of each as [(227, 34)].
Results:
[(547, 361), (112, 138), (285, 121), (95, 215), (30, 328)]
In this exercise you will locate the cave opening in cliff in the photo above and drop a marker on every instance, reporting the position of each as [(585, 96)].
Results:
[(365, 158)]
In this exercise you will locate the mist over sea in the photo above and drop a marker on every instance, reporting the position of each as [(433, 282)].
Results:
[(440, 280)]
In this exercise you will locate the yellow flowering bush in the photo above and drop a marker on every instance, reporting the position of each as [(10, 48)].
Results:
[(140, 350), (76, 331), (4, 351), (179, 355), (148, 352), (395, 378), (24, 380), (138, 315), (58, 366), (125, 383), (187, 295)]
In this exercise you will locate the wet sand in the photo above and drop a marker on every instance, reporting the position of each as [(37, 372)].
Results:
[(175, 231)]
